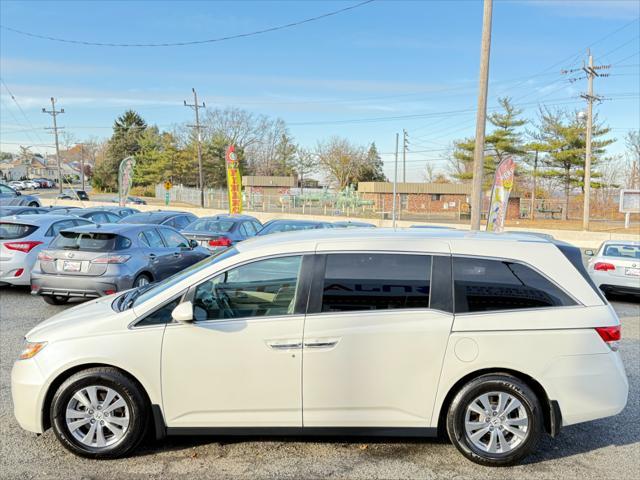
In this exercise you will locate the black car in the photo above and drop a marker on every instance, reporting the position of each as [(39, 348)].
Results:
[(175, 219), (8, 210), (276, 226), (221, 231)]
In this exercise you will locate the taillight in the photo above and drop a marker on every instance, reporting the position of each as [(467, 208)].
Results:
[(24, 247), (220, 242), (611, 336), (45, 257), (111, 259), (604, 266)]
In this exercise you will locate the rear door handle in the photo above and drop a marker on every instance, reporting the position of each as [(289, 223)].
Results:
[(322, 343)]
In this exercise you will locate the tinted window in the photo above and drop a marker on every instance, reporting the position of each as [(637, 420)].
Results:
[(95, 242), (484, 285), (160, 316), (10, 231), (209, 225), (7, 190), (153, 239), (111, 217), (173, 239), (259, 289), (623, 251), (376, 282), (97, 217), (56, 227), (182, 221)]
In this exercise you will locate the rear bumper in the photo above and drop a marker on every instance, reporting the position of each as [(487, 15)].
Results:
[(622, 283), (11, 266), (620, 290), (78, 286)]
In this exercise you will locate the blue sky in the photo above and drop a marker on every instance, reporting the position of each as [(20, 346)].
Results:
[(364, 74)]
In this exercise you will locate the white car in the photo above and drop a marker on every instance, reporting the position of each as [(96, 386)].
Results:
[(17, 185), (615, 267), (21, 239), (490, 339)]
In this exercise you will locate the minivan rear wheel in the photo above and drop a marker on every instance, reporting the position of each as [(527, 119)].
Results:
[(55, 299), (99, 413), (495, 420)]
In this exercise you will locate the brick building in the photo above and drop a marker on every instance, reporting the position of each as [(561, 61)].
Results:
[(448, 200)]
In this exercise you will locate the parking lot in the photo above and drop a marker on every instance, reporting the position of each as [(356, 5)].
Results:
[(608, 448)]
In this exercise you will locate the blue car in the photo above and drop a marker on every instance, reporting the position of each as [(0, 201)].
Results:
[(277, 226), (222, 231)]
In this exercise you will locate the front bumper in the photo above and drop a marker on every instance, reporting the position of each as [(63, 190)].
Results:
[(79, 286), (27, 391)]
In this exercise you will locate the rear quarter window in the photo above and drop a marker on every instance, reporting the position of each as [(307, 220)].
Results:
[(11, 231), (482, 285)]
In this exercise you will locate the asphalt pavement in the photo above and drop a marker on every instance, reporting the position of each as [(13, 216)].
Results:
[(607, 448)]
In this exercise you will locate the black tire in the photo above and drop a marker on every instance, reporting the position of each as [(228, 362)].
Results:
[(34, 204), (126, 388), (139, 278), (55, 299), (501, 383)]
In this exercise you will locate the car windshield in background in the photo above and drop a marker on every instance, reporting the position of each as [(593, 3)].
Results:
[(178, 277), (94, 242), (144, 219), (11, 231), (622, 251), (205, 225), (289, 227)]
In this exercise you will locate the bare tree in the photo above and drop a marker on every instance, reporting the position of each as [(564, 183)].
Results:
[(341, 161), (304, 163), (632, 154)]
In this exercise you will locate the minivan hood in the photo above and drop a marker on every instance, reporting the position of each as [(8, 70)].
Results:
[(93, 317)]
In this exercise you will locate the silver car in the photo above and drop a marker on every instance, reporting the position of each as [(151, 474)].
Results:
[(9, 196), (100, 260), (22, 237), (615, 267)]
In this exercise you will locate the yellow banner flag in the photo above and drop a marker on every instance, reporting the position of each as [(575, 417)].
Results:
[(234, 181)]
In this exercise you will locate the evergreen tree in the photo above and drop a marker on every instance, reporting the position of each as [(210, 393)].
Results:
[(373, 168)]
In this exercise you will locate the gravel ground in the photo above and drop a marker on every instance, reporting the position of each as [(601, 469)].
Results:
[(608, 448)]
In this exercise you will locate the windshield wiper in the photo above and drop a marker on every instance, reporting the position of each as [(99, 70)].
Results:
[(130, 298)]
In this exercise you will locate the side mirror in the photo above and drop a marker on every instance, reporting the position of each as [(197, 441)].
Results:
[(17, 193), (589, 253), (183, 313), (193, 243)]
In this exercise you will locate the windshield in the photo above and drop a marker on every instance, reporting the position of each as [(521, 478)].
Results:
[(143, 219), (11, 231), (204, 225), (94, 242), (144, 295), (622, 251), (288, 227)]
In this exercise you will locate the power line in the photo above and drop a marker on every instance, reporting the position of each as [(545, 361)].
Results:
[(193, 42)]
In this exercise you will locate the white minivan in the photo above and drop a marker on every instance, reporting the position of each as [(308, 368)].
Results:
[(491, 340)]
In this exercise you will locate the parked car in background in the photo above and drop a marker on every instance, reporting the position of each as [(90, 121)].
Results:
[(134, 200), (615, 267), (492, 340), (62, 209), (8, 210), (96, 215), (100, 260), (120, 211), (221, 231), (9, 196), (17, 185), (44, 182), (70, 194), (435, 227), (283, 225), (31, 185), (21, 239), (171, 218), (350, 224)]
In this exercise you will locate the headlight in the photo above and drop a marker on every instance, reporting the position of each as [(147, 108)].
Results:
[(30, 349)]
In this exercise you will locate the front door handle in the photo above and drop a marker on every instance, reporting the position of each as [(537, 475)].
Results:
[(322, 343), (285, 345), (176, 254)]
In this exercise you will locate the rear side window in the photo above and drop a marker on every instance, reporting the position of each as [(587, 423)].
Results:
[(56, 227), (482, 285), (11, 231), (92, 242), (173, 239), (356, 282), (180, 222)]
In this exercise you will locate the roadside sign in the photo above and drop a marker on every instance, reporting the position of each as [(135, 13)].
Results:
[(167, 185), (629, 203)]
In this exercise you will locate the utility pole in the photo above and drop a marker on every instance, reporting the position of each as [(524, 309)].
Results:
[(533, 184), (590, 71), (196, 106), (82, 165), (395, 184), (481, 117), (405, 146), (54, 113)]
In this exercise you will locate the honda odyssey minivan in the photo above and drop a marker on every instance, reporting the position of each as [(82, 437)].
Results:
[(490, 340)]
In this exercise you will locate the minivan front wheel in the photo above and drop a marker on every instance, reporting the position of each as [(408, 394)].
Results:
[(99, 413), (495, 420)]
